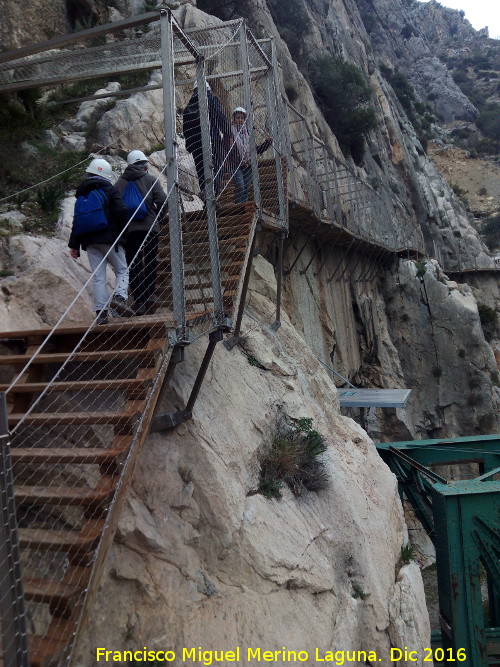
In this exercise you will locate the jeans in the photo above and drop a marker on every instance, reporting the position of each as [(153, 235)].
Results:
[(143, 269), (242, 178), (116, 258)]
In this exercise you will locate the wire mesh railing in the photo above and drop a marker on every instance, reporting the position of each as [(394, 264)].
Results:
[(336, 195), (79, 396)]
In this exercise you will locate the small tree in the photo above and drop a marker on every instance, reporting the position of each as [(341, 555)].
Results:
[(343, 96)]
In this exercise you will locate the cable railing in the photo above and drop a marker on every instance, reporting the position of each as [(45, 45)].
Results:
[(80, 396)]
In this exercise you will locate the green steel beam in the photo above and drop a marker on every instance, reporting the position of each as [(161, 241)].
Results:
[(462, 517)]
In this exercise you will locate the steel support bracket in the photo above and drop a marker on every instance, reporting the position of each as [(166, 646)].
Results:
[(168, 420), (231, 342)]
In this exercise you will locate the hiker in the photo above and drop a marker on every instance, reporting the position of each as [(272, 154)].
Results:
[(238, 159), (99, 217), (144, 197), (220, 133)]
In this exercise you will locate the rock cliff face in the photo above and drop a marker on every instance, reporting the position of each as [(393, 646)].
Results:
[(199, 559)]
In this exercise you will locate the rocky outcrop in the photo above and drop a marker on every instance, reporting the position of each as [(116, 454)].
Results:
[(201, 560), (405, 37)]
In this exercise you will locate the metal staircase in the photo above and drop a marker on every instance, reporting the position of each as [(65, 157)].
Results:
[(95, 393)]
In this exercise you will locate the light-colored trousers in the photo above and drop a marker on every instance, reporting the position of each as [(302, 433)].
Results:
[(116, 258)]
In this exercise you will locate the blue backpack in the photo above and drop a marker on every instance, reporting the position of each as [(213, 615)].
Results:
[(89, 213), (132, 198)]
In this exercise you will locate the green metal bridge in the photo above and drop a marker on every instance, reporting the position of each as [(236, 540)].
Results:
[(462, 518)]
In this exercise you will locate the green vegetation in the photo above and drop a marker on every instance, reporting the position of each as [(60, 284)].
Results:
[(467, 72), (49, 196), (5, 273), (293, 458), (490, 232), (223, 9), (419, 114), (292, 20), (421, 269), (408, 31), (407, 554), (358, 592), (343, 95), (460, 192), (488, 317)]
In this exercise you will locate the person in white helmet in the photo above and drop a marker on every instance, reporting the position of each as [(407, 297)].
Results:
[(238, 159), (98, 237), (142, 231)]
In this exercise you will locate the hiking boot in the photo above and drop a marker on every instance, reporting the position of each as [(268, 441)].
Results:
[(119, 304), (102, 317), (140, 309)]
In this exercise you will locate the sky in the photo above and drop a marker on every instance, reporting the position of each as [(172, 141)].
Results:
[(480, 13)]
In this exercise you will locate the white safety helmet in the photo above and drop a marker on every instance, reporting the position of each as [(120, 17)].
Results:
[(240, 109), (100, 167), (136, 156)]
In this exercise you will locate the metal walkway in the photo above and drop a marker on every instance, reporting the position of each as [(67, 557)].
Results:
[(462, 518)]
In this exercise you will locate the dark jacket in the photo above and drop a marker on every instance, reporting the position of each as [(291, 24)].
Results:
[(153, 201), (116, 213), (220, 130)]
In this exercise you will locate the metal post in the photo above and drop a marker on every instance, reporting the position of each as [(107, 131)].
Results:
[(329, 280), (347, 267), (332, 247), (169, 121), (365, 272), (231, 342), (309, 164), (277, 322), (208, 171), (247, 83), (276, 134), (288, 271), (330, 211), (459, 577), (12, 615), (289, 161)]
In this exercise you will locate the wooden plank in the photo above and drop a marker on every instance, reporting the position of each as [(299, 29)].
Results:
[(61, 357), (62, 495), (207, 300), (47, 590), (135, 386), (199, 246), (43, 651), (66, 418), (119, 324), (60, 540), (114, 513), (236, 266), (53, 455)]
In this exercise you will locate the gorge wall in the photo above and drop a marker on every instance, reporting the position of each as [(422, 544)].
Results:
[(199, 558)]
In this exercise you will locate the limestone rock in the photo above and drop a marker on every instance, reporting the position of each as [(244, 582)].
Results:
[(45, 282), (212, 550), (12, 220)]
